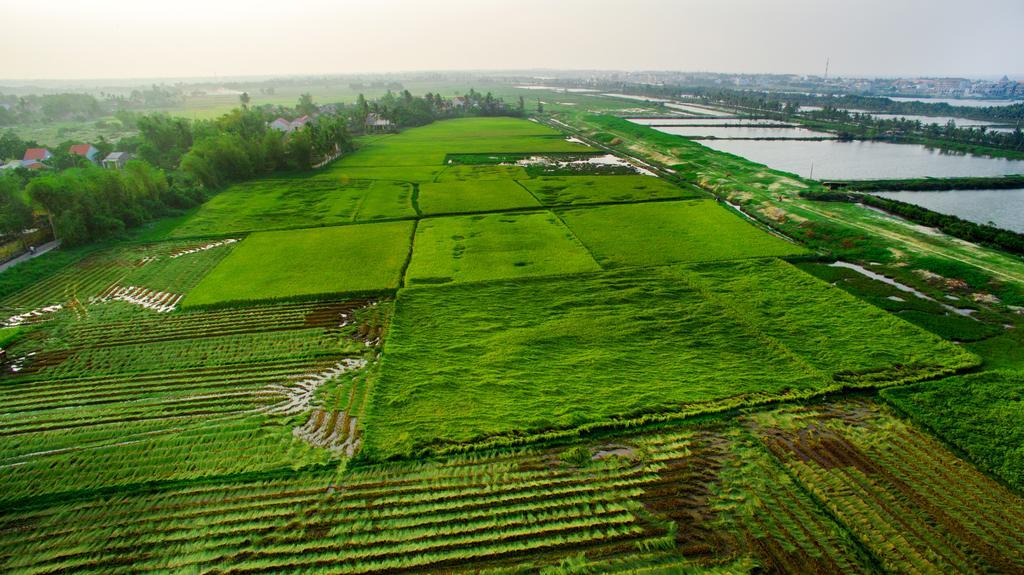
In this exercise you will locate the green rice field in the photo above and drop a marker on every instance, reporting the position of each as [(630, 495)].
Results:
[(430, 357), (495, 246), (309, 263), (658, 233)]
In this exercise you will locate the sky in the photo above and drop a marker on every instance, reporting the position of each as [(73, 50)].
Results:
[(78, 39)]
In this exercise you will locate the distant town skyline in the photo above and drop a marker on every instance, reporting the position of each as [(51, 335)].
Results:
[(120, 39)]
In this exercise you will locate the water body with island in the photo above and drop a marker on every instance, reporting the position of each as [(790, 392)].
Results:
[(744, 132), (968, 102), (1004, 208), (864, 160)]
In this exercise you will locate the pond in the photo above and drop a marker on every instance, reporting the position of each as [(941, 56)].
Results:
[(707, 122), (698, 110), (971, 103), (941, 120), (743, 132), (864, 160), (1004, 208)]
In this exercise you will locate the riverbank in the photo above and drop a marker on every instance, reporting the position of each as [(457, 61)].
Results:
[(926, 184)]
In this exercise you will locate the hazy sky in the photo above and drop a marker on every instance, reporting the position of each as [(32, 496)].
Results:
[(188, 38)]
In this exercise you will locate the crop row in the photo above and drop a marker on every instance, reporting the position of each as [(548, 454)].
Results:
[(153, 266), (708, 493), (147, 328), (904, 496)]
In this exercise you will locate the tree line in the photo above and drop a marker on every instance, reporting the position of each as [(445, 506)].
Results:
[(179, 162)]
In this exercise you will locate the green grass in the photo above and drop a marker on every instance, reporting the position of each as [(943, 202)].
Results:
[(574, 190), (308, 263), (460, 173), (8, 335), (495, 246), (342, 173), (429, 145), (298, 202), (666, 232), (457, 197), (534, 355), (982, 414), (1004, 351)]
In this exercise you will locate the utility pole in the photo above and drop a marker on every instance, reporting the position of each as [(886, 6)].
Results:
[(827, 59)]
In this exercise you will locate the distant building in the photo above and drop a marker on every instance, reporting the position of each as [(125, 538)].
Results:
[(328, 109), (460, 101), (116, 160), (32, 164), (281, 125), (377, 123), (36, 155), (87, 151)]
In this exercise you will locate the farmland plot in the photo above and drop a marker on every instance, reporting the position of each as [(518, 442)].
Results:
[(667, 232), (495, 246), (429, 145), (901, 493), (298, 203), (138, 400), (150, 275), (576, 190), (982, 414), (696, 498), (311, 263), (539, 355), (460, 197)]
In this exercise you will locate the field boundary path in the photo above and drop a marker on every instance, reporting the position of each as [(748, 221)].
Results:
[(29, 255)]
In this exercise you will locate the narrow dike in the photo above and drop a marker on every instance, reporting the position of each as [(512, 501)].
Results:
[(408, 257)]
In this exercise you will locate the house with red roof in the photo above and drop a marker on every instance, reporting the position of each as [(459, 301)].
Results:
[(281, 125), (36, 155), (87, 151)]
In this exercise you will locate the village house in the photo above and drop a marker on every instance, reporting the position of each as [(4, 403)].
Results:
[(87, 151), (282, 125), (36, 155), (377, 123), (116, 160), (34, 158)]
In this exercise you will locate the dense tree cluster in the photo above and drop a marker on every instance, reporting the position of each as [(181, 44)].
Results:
[(179, 161), (406, 110), (87, 204), (49, 108)]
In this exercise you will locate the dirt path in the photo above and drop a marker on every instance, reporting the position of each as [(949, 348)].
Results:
[(40, 250)]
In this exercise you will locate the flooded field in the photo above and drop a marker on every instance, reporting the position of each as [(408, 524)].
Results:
[(864, 160), (743, 132), (698, 110), (1003, 208), (708, 122), (941, 120), (959, 101)]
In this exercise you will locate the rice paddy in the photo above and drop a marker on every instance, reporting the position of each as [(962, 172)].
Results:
[(406, 363)]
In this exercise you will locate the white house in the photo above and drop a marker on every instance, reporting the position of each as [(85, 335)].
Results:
[(116, 160)]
